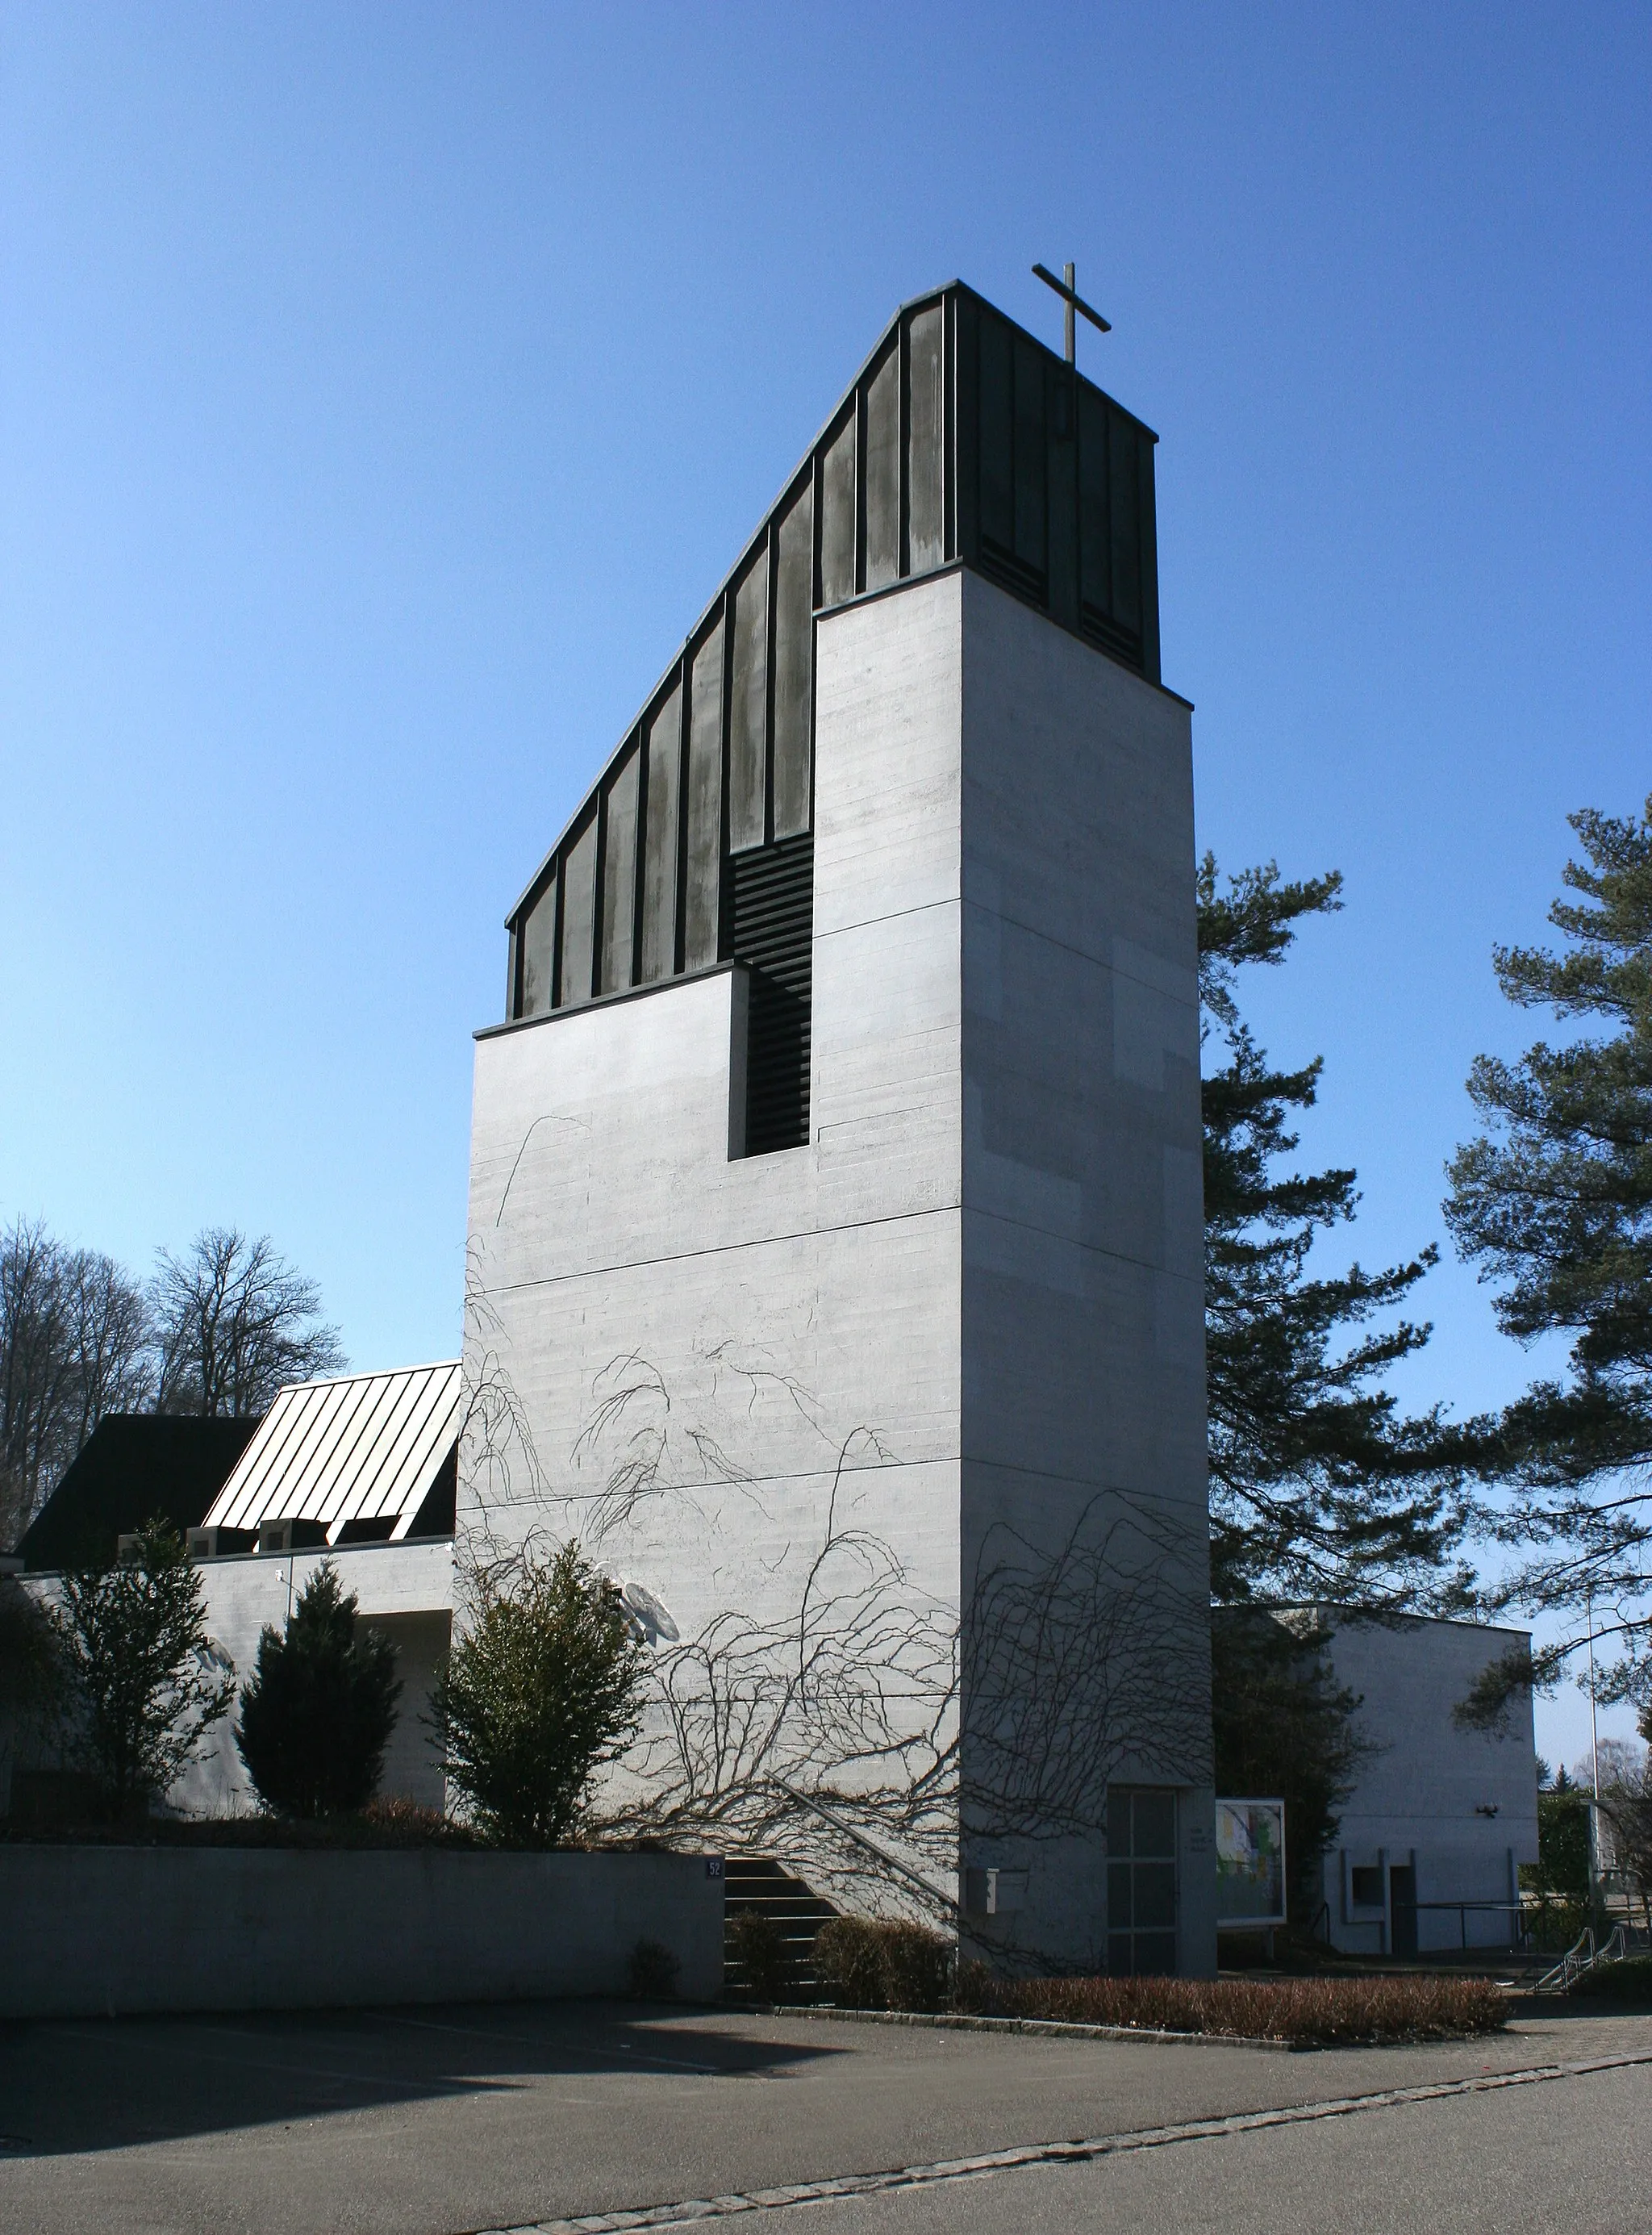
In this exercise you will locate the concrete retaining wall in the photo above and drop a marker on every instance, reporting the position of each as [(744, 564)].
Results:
[(103, 1930)]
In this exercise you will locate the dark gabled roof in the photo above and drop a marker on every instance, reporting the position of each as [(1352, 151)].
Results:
[(133, 1466)]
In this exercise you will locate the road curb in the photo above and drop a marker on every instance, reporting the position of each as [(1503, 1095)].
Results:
[(1060, 2028)]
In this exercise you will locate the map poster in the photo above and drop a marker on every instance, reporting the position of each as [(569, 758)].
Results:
[(1250, 1863)]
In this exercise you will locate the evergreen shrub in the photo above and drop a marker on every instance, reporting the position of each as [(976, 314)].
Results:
[(756, 1944), (542, 1687), (145, 1681), (317, 1717)]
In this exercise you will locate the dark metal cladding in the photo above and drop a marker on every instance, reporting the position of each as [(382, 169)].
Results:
[(748, 711), (620, 797), (926, 441), (792, 805), (883, 475), (661, 840), (704, 852), (578, 903), (838, 516), (963, 440), (539, 951)]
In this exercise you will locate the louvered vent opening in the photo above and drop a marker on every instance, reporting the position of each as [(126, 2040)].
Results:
[(1122, 643), (1015, 574), (772, 928)]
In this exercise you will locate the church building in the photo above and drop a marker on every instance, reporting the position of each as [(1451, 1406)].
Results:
[(835, 1230)]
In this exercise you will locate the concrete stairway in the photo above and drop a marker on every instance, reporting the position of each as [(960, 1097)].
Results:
[(758, 1882)]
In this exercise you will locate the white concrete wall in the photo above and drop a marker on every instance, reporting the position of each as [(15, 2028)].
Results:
[(1083, 1230), (1422, 1794), (974, 1296), (707, 1368), (106, 1930)]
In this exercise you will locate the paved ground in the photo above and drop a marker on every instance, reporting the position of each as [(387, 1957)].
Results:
[(433, 2121), (1523, 2161)]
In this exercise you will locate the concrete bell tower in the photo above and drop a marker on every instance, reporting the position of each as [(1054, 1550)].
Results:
[(836, 1227)]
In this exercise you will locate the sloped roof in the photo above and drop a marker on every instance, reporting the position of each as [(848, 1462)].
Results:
[(362, 1448), (133, 1466), (963, 440)]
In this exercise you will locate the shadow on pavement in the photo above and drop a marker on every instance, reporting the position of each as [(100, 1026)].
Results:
[(89, 2084)]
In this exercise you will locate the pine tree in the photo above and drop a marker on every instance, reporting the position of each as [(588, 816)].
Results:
[(318, 1715), (1319, 1487), (1282, 1726), (1554, 1202)]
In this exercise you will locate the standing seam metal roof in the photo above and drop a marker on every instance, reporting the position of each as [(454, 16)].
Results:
[(359, 1449)]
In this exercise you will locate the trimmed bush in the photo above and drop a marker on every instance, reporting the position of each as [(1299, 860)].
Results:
[(758, 1945), (869, 1963), (849, 1962), (651, 1976), (318, 1715), (1309, 2013), (382, 1824), (1630, 1981), (391, 1819)]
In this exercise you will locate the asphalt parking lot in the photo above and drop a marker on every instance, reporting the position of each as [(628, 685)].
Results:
[(432, 2121)]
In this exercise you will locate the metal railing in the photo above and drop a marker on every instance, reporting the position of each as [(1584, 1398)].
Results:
[(935, 1895), (1578, 1959), (1496, 1908), (1585, 1955)]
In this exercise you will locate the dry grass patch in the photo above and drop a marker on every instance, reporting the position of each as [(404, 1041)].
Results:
[(1309, 2012)]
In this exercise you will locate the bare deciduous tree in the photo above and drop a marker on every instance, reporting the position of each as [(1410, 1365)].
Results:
[(233, 1320), (74, 1344)]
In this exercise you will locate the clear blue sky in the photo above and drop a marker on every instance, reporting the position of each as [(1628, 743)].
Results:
[(383, 390)]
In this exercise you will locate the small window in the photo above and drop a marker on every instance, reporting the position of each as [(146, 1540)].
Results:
[(1365, 1886)]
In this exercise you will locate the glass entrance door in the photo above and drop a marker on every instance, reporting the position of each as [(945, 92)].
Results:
[(1141, 1879)]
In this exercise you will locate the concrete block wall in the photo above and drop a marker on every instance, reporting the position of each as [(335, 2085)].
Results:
[(971, 1301), (108, 1930), (713, 1370), (1083, 1335)]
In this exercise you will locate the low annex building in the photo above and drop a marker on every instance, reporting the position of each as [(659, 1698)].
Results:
[(365, 1458), (360, 1470), (1430, 1840), (133, 1467)]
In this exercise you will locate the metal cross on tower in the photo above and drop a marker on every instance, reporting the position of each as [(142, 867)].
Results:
[(1066, 289)]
